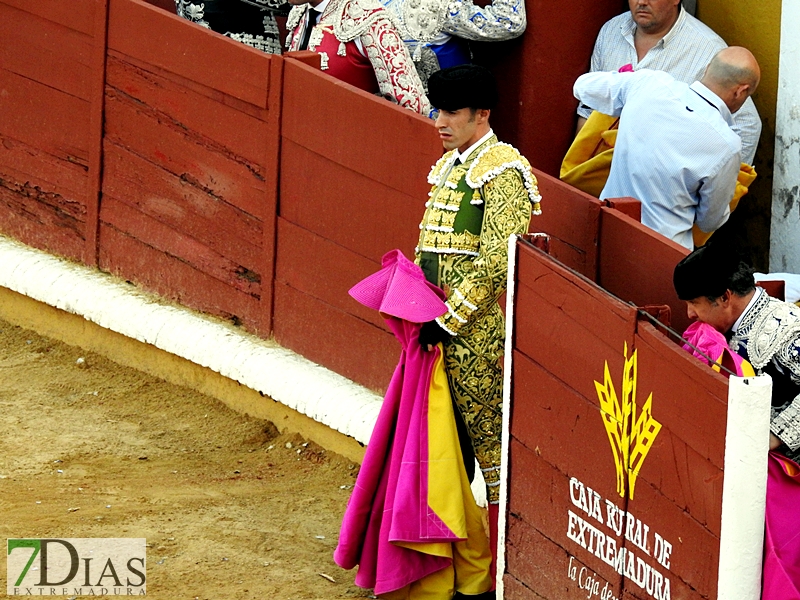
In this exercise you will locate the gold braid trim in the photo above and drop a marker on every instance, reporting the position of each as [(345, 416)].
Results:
[(495, 159), (435, 176)]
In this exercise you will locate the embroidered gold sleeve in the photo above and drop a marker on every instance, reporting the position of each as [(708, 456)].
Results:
[(397, 77), (508, 211)]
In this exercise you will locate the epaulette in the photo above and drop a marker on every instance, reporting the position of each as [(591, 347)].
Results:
[(353, 18), (293, 20), (495, 159), (442, 165)]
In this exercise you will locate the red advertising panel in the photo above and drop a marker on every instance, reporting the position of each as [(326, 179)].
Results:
[(616, 449)]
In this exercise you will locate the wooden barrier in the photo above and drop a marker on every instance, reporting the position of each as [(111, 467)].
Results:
[(191, 153), (263, 193), (636, 264), (51, 77), (564, 503), (572, 219), (353, 187)]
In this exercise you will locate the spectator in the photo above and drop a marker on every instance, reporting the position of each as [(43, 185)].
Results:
[(358, 43), (251, 22), (660, 35), (675, 150)]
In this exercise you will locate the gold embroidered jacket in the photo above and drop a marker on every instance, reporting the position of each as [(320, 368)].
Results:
[(473, 209)]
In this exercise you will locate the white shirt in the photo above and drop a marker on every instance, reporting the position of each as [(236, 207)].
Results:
[(675, 150), (684, 52), (458, 156), (747, 308)]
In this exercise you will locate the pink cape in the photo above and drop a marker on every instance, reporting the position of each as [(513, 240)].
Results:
[(713, 344), (389, 501), (782, 536)]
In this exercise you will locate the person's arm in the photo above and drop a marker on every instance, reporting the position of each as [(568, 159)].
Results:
[(785, 422), (508, 211), (713, 207), (604, 91), (397, 77), (747, 124), (498, 21)]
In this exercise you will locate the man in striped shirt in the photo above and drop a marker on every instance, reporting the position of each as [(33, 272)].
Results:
[(660, 35)]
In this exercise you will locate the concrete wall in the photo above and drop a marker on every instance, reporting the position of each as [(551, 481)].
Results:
[(757, 27), (785, 246)]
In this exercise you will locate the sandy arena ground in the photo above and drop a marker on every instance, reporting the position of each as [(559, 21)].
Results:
[(231, 509)]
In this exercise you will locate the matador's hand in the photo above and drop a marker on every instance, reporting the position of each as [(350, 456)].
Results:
[(430, 334)]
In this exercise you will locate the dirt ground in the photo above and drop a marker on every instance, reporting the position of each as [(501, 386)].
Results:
[(231, 508)]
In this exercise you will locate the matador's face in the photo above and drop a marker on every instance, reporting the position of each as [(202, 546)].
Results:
[(461, 128)]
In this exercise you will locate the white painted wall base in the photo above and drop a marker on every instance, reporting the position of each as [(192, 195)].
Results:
[(258, 364)]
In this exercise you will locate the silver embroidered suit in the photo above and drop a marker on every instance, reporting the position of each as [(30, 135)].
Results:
[(769, 337)]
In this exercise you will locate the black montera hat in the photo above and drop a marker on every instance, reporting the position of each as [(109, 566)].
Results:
[(464, 86), (708, 271)]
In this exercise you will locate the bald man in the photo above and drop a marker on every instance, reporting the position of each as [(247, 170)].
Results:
[(661, 35), (675, 150)]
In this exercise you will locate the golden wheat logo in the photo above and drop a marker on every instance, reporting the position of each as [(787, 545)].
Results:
[(631, 437)]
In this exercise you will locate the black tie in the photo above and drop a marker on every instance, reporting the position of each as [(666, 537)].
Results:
[(312, 21)]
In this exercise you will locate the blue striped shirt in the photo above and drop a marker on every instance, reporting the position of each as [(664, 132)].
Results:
[(675, 149)]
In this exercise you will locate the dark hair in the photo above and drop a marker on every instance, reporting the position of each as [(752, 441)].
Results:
[(710, 271), (741, 282)]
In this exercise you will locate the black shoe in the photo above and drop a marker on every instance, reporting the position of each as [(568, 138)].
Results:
[(484, 596)]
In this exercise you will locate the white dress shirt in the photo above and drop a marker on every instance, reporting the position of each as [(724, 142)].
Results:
[(458, 156), (675, 150), (684, 52)]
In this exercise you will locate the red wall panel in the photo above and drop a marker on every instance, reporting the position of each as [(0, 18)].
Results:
[(334, 338), (160, 272), (347, 198), (572, 218), (536, 73), (48, 147), (372, 137), (636, 264), (191, 52), (190, 154)]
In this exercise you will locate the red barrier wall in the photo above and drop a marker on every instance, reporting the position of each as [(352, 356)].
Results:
[(51, 76), (636, 264), (352, 188), (191, 151), (572, 218), (567, 329), (261, 193)]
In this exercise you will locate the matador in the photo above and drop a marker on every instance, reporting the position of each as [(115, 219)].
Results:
[(438, 32), (483, 191)]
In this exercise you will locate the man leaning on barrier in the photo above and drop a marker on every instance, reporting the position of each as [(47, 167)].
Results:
[(719, 289)]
